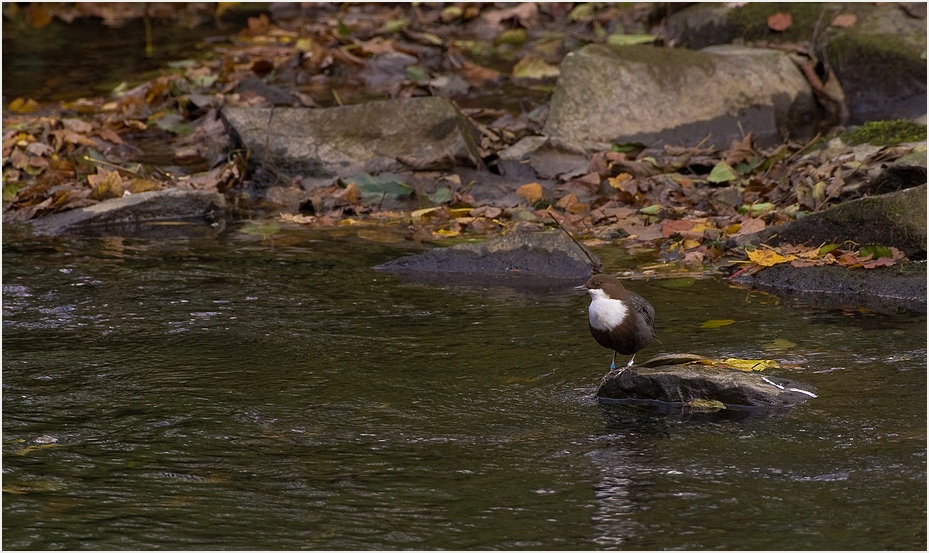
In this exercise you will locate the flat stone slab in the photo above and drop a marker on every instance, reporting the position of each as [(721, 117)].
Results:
[(673, 382), (129, 214), (539, 255), (390, 135), (664, 95)]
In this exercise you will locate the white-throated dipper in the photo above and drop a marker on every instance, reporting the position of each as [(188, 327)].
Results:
[(619, 319)]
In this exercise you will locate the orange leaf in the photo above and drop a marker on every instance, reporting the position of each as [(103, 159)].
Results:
[(844, 20), (532, 192), (780, 21)]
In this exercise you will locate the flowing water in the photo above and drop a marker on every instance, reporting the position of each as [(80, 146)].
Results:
[(231, 393)]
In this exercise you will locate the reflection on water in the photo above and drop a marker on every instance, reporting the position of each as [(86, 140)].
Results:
[(224, 394)]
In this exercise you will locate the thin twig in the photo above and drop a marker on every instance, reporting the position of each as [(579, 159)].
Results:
[(597, 267)]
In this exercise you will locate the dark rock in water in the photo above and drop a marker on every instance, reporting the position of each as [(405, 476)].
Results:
[(409, 133), (897, 219), (901, 287), (688, 383), (539, 255), (146, 213)]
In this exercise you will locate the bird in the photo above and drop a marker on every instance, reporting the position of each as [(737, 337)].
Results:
[(619, 319)]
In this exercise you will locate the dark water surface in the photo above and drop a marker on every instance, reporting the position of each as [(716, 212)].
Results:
[(224, 394)]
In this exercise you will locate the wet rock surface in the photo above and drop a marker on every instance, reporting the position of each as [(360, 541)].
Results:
[(144, 213), (530, 255), (724, 93), (669, 380), (411, 133), (884, 289)]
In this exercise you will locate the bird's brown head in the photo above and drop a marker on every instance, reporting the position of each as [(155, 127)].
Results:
[(610, 285)]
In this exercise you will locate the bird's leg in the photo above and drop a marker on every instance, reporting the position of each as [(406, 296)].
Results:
[(613, 362), (631, 359)]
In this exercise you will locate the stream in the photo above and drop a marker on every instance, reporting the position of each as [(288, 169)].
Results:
[(228, 392)]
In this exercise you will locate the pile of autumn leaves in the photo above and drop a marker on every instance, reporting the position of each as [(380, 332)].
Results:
[(687, 200)]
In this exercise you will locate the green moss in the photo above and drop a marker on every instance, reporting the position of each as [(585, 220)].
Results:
[(753, 20), (886, 133)]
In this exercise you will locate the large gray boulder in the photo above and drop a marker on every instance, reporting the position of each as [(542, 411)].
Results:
[(662, 95), (877, 54), (144, 213), (390, 135)]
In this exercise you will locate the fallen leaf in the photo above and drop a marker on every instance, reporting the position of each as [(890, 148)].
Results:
[(750, 226), (706, 404), (722, 172), (780, 21), (716, 323), (750, 364), (532, 192), (844, 20), (768, 258), (534, 67)]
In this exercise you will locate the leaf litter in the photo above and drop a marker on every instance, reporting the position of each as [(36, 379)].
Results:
[(680, 203)]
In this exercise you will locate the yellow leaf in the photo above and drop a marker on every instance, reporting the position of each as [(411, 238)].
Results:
[(750, 364), (447, 233), (706, 404), (767, 258), (716, 323), (616, 182)]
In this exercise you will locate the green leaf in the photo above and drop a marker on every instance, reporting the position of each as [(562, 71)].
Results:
[(416, 74), (682, 282), (441, 196), (625, 40), (827, 248), (876, 251), (722, 172), (373, 188), (756, 209), (511, 36), (627, 147), (582, 11), (650, 210)]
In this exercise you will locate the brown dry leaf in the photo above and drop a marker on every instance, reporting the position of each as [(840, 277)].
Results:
[(136, 186), (532, 192), (477, 75), (669, 228), (106, 184), (486, 211), (844, 20), (780, 21), (77, 125), (750, 226), (741, 150)]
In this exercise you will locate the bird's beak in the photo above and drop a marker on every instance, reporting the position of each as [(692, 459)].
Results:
[(581, 288)]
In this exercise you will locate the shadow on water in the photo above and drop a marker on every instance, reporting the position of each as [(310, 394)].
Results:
[(222, 393)]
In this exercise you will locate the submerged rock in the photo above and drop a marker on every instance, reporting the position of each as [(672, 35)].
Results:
[(144, 213), (539, 255), (667, 379), (413, 133), (662, 95)]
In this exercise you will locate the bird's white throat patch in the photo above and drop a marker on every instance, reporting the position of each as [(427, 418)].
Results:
[(605, 313)]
